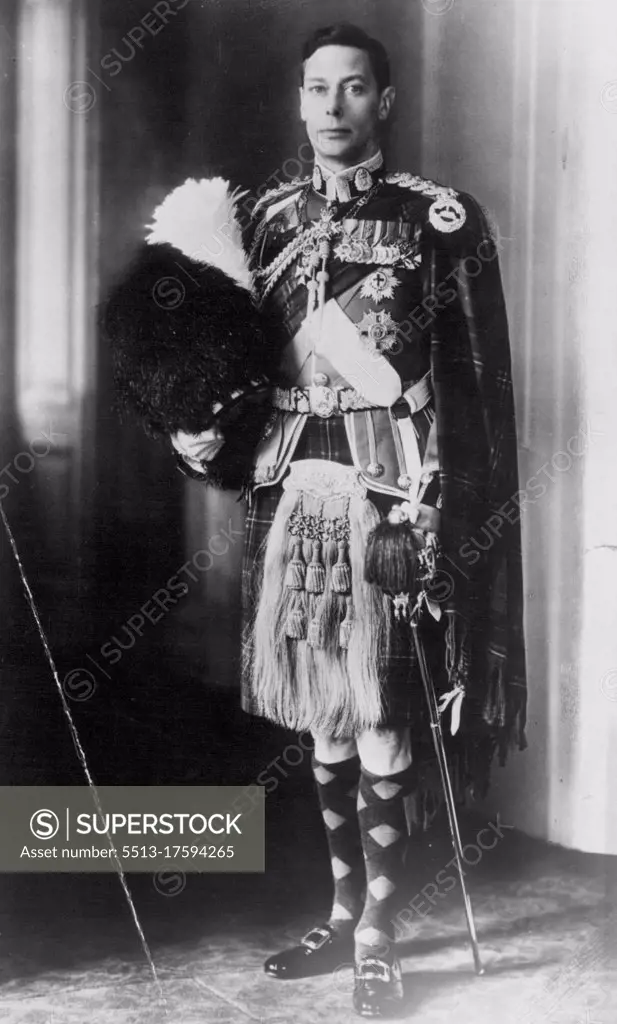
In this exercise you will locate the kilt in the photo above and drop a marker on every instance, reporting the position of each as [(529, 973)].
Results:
[(402, 696)]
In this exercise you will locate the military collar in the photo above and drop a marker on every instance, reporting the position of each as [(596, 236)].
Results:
[(352, 182)]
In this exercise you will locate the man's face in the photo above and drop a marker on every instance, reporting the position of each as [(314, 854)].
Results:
[(342, 106)]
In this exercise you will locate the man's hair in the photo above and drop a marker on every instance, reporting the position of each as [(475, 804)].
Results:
[(345, 34)]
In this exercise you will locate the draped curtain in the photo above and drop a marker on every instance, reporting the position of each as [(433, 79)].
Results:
[(47, 206), (520, 108)]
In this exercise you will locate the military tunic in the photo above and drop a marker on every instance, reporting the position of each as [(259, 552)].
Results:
[(358, 390)]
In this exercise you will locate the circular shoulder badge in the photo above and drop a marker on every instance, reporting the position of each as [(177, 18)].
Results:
[(447, 214)]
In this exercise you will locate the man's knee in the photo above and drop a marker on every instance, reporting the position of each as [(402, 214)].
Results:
[(331, 749), (386, 739), (385, 751)]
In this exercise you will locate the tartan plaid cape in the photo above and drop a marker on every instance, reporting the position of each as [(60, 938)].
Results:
[(480, 518)]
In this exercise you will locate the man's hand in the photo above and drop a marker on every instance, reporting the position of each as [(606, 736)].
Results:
[(198, 448)]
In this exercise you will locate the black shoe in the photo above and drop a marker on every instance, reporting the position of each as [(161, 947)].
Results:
[(378, 987), (320, 951)]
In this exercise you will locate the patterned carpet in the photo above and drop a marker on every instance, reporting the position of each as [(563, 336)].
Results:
[(70, 952)]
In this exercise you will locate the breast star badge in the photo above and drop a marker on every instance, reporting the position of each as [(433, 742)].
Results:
[(378, 331), (380, 285)]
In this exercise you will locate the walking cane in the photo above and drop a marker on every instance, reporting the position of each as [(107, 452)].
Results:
[(397, 561)]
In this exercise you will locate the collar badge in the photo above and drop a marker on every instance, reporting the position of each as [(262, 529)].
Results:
[(363, 179), (318, 179)]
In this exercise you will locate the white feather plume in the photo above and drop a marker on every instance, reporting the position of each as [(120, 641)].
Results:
[(199, 218)]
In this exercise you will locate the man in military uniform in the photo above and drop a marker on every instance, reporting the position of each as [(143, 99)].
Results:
[(394, 387)]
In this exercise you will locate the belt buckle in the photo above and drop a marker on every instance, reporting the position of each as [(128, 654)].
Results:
[(323, 400)]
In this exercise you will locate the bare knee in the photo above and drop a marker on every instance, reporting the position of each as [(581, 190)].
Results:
[(330, 750), (385, 751)]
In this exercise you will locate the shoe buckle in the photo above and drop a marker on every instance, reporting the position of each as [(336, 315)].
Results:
[(316, 938), (371, 967)]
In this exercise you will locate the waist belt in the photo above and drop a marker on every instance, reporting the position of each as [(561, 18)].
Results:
[(319, 400)]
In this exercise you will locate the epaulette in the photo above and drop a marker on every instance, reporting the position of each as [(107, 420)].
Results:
[(274, 194), (446, 212)]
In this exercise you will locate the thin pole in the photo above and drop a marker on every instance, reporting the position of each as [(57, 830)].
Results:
[(447, 788), (82, 756)]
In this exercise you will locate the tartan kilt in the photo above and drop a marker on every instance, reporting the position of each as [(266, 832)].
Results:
[(402, 694)]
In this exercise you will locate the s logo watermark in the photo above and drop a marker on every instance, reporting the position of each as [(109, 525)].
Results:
[(44, 824)]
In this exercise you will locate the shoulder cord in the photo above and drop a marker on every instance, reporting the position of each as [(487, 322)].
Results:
[(293, 249)]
